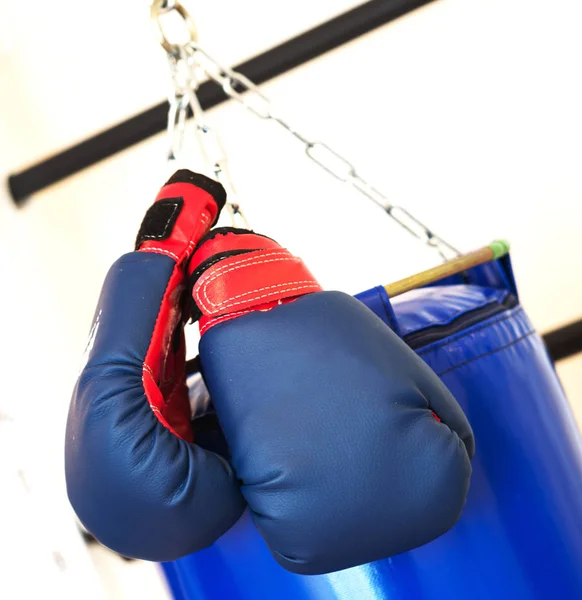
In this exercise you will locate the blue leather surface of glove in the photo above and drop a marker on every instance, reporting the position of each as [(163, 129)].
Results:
[(136, 486), (329, 420)]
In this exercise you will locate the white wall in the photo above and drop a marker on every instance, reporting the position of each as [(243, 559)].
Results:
[(466, 113)]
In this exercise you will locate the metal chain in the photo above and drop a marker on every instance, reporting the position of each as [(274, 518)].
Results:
[(185, 74), (241, 89)]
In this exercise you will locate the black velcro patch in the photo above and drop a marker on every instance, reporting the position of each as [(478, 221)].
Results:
[(159, 221), (224, 230)]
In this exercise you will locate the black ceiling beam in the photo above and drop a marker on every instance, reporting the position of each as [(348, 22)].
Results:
[(564, 342), (281, 59)]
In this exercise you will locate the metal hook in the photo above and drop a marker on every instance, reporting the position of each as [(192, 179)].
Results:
[(160, 8)]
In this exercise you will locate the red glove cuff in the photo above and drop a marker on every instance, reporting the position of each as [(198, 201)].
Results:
[(239, 272), (184, 211)]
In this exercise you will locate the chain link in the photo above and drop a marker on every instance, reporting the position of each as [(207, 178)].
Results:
[(212, 148)]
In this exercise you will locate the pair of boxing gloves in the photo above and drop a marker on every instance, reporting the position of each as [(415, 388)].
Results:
[(343, 444)]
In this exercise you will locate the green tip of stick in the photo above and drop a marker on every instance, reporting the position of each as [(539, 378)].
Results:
[(500, 248)]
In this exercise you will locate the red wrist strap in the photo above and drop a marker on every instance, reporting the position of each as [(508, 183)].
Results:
[(248, 281)]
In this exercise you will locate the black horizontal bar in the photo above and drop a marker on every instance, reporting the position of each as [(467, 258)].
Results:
[(274, 62), (564, 342)]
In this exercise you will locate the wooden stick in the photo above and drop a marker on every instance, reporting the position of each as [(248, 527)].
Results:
[(452, 267)]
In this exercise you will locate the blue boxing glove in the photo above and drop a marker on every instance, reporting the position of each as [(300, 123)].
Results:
[(349, 448), (345, 445), (134, 477)]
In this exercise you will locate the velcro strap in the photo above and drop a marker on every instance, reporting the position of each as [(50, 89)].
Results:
[(247, 281)]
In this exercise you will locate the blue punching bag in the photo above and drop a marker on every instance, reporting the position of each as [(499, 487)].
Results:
[(520, 536)]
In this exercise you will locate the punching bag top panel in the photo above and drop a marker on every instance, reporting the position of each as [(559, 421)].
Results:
[(483, 288), (428, 315), (451, 325)]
